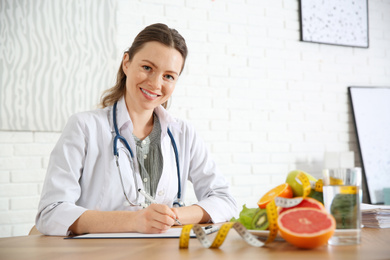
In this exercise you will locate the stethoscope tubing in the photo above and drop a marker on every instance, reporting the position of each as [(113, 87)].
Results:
[(177, 163), (118, 136)]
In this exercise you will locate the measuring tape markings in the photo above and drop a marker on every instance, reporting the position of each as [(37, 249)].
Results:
[(349, 189), (272, 215), (291, 202), (318, 186), (201, 235), (306, 186), (248, 237), (287, 202), (220, 237), (335, 181), (185, 236)]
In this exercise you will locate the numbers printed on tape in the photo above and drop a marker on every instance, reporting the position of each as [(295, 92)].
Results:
[(319, 185), (185, 236), (305, 184), (335, 181), (286, 202), (220, 237), (201, 235), (272, 216), (349, 189)]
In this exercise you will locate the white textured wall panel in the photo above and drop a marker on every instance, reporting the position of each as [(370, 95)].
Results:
[(56, 57)]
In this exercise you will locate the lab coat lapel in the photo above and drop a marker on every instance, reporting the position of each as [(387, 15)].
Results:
[(167, 187)]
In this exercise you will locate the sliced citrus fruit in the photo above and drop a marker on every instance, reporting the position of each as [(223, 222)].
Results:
[(284, 190), (306, 203), (306, 227)]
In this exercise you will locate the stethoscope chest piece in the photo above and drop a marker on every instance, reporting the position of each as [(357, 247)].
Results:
[(178, 204)]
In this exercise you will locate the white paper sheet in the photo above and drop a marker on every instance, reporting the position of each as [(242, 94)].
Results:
[(171, 233)]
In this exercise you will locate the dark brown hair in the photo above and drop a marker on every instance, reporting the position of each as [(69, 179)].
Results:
[(156, 32)]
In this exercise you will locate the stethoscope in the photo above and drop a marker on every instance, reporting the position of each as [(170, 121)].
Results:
[(178, 202)]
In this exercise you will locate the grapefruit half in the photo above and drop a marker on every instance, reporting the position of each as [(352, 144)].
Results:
[(284, 190), (306, 203), (306, 227)]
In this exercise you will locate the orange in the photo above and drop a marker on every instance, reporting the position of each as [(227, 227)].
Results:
[(306, 227), (306, 203), (284, 190)]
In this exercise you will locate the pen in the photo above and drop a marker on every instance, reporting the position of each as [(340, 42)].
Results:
[(210, 229), (146, 195)]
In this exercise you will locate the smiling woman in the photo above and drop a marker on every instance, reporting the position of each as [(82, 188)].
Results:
[(93, 161), (151, 76), (159, 33)]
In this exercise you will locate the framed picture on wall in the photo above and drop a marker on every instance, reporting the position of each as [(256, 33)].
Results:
[(337, 22)]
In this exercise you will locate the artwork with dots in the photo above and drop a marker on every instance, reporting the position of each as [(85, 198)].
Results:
[(337, 22)]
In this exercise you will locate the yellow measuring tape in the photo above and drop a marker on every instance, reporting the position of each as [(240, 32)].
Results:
[(305, 184), (335, 181), (252, 240), (349, 189), (319, 185), (220, 237), (272, 215), (291, 202)]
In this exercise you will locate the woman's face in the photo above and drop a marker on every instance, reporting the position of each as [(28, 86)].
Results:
[(151, 76)]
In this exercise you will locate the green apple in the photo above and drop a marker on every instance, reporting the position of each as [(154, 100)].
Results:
[(295, 185)]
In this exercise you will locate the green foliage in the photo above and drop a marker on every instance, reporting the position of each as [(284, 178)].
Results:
[(247, 216)]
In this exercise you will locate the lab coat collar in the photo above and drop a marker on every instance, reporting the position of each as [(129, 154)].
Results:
[(166, 119), (122, 116)]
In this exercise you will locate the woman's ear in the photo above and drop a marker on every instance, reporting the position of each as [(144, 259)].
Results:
[(125, 63)]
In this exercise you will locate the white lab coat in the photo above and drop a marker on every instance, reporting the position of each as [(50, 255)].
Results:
[(82, 173)]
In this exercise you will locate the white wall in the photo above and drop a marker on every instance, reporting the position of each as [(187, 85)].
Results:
[(265, 102)]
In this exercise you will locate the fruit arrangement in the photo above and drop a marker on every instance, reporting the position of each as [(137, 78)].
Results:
[(253, 218), (306, 224)]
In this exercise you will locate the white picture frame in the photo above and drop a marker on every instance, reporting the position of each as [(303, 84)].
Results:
[(371, 115), (335, 22)]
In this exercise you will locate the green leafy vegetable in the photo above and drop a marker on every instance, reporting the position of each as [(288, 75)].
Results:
[(246, 216)]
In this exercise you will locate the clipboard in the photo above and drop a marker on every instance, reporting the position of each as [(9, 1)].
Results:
[(170, 233)]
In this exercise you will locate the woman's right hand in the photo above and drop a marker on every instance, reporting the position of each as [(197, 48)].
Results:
[(157, 218)]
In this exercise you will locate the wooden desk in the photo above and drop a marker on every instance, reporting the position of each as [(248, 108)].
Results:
[(375, 245)]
